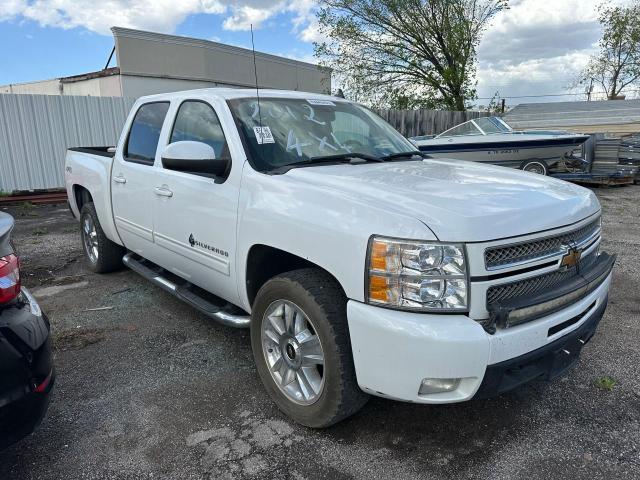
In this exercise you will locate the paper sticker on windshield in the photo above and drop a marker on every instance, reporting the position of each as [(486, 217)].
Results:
[(326, 103), (263, 135)]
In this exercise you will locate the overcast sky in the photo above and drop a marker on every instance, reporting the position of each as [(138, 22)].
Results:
[(534, 48)]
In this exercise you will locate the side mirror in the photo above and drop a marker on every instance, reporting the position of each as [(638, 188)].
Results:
[(193, 157)]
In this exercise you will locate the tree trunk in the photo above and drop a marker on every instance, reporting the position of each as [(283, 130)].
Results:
[(613, 93)]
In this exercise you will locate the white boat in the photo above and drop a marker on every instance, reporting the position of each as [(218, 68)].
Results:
[(492, 140)]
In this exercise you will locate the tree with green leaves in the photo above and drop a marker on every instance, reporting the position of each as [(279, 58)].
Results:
[(617, 65), (405, 53)]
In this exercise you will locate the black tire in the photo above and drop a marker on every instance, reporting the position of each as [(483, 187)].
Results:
[(109, 258), (535, 166), (324, 302)]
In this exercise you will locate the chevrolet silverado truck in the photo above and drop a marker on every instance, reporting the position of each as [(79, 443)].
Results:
[(360, 266)]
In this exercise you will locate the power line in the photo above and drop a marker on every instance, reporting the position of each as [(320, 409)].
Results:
[(531, 96), (544, 95)]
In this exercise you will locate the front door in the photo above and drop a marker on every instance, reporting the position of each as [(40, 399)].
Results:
[(132, 178), (195, 215)]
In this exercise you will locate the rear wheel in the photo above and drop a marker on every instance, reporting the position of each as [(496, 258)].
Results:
[(102, 255), (536, 166), (302, 349)]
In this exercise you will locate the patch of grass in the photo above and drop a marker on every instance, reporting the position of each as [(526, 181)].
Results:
[(605, 383), (4, 194), (39, 232), (27, 210)]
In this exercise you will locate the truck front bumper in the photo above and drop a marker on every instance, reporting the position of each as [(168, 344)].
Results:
[(394, 351)]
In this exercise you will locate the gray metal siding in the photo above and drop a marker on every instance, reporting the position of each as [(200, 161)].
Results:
[(36, 130), (172, 60), (574, 114)]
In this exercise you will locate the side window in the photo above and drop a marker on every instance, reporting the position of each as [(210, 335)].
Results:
[(142, 142), (198, 122)]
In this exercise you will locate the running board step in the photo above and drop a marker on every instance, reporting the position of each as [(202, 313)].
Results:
[(186, 292)]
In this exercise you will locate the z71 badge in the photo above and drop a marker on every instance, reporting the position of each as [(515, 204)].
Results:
[(195, 243)]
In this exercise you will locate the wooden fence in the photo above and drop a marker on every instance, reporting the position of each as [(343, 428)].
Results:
[(412, 123)]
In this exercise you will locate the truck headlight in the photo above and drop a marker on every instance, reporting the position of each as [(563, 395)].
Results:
[(415, 275)]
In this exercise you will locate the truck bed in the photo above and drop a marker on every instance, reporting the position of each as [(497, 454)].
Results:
[(89, 168), (101, 151)]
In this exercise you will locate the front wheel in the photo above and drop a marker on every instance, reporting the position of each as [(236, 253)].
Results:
[(301, 346)]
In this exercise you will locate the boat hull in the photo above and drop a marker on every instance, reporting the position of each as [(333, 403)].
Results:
[(505, 153)]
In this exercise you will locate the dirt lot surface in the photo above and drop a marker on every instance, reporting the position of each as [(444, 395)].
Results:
[(149, 388)]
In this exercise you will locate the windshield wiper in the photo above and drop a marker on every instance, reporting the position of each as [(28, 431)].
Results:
[(352, 158), (410, 155)]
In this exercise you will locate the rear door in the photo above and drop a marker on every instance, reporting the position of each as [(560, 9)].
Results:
[(133, 177), (195, 215)]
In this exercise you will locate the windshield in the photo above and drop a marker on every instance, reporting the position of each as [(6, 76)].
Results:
[(298, 130), (466, 128), (492, 125), (478, 126)]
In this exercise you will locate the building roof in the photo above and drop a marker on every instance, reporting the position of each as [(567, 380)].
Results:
[(107, 72), (574, 114)]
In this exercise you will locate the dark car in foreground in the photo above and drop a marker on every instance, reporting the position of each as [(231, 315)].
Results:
[(26, 359)]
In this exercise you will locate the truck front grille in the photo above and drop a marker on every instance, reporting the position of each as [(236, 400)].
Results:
[(528, 286), (506, 255), (532, 285)]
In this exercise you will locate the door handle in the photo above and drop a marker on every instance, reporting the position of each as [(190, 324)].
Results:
[(163, 192), (119, 179)]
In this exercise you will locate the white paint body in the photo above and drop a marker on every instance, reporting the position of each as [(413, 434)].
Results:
[(326, 215)]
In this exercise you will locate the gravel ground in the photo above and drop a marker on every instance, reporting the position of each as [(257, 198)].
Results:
[(149, 388)]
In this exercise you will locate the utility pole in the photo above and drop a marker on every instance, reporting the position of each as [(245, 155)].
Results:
[(502, 105)]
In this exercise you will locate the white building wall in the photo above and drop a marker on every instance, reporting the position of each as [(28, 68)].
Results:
[(44, 87), (136, 86), (94, 87)]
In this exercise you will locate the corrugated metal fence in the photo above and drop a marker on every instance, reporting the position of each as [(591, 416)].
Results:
[(412, 123), (36, 130)]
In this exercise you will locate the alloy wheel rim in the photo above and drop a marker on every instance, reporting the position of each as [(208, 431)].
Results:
[(90, 238), (293, 352)]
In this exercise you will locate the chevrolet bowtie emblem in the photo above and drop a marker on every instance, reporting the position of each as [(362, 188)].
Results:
[(571, 258)]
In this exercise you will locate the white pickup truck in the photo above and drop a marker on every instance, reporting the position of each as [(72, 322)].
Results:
[(360, 266)]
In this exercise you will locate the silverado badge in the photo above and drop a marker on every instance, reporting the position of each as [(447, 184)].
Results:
[(197, 243)]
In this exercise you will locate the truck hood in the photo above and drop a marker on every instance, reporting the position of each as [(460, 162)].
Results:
[(458, 200)]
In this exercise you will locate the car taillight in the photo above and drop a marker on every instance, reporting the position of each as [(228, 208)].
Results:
[(9, 278)]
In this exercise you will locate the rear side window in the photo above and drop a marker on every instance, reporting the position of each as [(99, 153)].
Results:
[(145, 132), (197, 121)]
